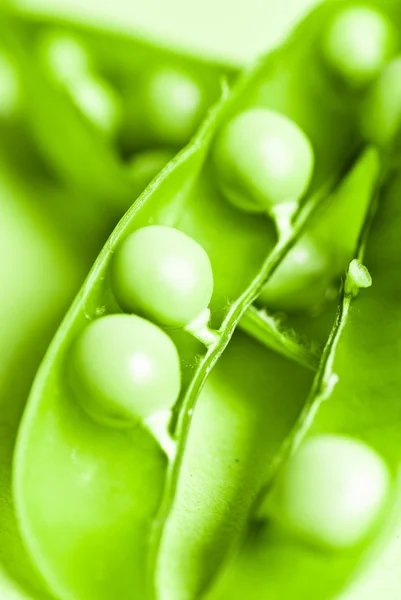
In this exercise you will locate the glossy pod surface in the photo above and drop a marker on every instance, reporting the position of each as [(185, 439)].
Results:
[(149, 542), (46, 242)]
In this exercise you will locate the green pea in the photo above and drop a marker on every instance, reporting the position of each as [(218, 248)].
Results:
[(10, 87), (262, 159), (357, 43), (381, 110), (123, 369), (98, 101), (144, 167), (163, 274), (331, 491), (174, 105), (302, 280)]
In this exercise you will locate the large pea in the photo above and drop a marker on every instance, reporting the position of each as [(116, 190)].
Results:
[(124, 369), (331, 491), (357, 43), (173, 104), (163, 274), (381, 109), (262, 159)]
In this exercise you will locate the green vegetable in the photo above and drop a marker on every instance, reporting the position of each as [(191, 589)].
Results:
[(174, 105), (163, 274), (116, 464), (308, 279), (46, 245), (123, 369), (358, 42), (143, 504), (263, 160), (331, 491)]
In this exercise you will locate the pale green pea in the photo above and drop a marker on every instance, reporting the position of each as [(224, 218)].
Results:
[(381, 110), (98, 101), (357, 43), (302, 279), (174, 104), (124, 369), (331, 492), (262, 159), (163, 274)]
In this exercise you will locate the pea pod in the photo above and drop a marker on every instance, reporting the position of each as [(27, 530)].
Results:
[(349, 403), (58, 429), (27, 240), (242, 457)]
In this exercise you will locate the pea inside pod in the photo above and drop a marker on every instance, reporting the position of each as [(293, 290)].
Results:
[(92, 461), (162, 273), (350, 423), (331, 492)]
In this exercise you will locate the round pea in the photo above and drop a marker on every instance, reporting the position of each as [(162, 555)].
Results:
[(262, 159), (174, 105), (357, 43), (144, 167), (123, 369), (381, 110), (163, 274), (98, 101), (331, 491), (301, 280)]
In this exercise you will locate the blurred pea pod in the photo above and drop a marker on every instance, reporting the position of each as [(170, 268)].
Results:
[(107, 96)]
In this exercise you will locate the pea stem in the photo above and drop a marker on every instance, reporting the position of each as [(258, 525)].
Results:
[(200, 329), (158, 424)]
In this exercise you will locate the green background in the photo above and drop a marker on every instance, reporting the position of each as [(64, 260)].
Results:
[(234, 32)]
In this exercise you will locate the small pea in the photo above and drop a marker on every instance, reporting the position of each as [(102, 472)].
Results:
[(262, 159), (331, 491), (163, 274), (98, 101), (174, 104), (301, 280), (144, 167), (124, 369), (381, 109), (357, 43)]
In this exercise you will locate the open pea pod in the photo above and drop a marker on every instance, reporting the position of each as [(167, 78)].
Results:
[(354, 409), (114, 480)]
